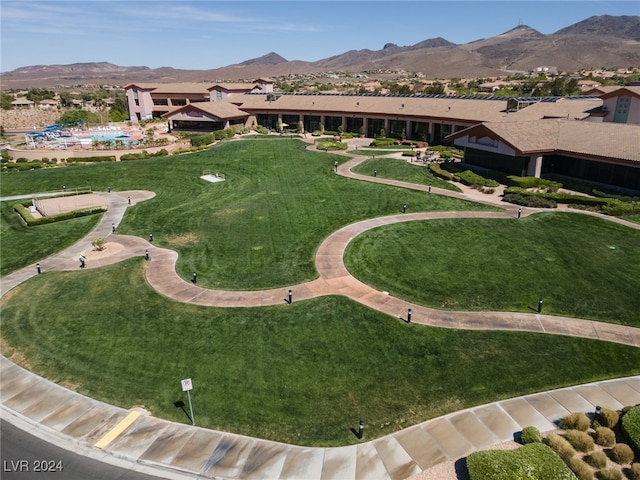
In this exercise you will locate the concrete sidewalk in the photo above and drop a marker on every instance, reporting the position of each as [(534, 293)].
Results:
[(173, 450)]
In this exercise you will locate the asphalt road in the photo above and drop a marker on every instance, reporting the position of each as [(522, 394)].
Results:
[(25, 457)]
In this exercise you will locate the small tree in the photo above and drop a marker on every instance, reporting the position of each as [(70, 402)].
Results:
[(99, 244), (300, 127)]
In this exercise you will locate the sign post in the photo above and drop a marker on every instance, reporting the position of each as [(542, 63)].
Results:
[(187, 386)]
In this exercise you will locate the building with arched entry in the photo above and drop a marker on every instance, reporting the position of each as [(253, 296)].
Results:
[(592, 138)]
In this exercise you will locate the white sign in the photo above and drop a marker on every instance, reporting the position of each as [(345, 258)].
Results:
[(186, 385)]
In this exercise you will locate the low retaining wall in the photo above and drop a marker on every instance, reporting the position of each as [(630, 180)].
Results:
[(60, 153)]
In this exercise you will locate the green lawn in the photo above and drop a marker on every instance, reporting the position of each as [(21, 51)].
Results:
[(402, 170), (22, 245), (303, 373), (260, 228), (581, 266)]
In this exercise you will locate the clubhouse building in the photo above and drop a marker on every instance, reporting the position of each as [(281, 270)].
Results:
[(593, 138)]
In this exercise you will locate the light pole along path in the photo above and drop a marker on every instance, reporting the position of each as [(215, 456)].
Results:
[(224, 455), (333, 279)]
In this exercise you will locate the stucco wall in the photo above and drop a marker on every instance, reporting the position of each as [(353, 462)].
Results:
[(60, 154)]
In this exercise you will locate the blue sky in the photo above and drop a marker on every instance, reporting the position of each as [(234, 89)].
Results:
[(208, 34)]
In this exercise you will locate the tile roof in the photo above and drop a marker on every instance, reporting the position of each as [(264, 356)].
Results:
[(221, 110), (194, 88), (441, 107), (233, 86), (603, 140), (632, 90), (572, 108)]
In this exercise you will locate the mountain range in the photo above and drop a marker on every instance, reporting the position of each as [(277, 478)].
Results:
[(597, 42)]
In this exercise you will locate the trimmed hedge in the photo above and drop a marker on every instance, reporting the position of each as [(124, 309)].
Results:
[(470, 178), (534, 460), (384, 142), (143, 154), (533, 182), (21, 166), (528, 200), (530, 435), (631, 428), (328, 144), (96, 159), (208, 139), (25, 213), (437, 170)]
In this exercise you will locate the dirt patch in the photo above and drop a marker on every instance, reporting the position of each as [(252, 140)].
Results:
[(227, 212), (109, 248), (13, 354), (185, 239)]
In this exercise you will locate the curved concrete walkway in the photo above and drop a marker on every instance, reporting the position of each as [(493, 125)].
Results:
[(174, 450)]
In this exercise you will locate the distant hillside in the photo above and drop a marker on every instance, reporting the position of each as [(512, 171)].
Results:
[(601, 41), (606, 25)]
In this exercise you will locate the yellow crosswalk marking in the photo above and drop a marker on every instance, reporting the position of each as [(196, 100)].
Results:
[(117, 430)]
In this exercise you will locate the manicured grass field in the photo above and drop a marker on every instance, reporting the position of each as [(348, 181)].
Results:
[(581, 266), (258, 229), (303, 373), (402, 170), (22, 245)]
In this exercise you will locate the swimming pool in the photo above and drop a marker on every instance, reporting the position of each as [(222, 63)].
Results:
[(109, 135)]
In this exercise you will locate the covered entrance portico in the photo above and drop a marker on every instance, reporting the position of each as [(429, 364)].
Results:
[(205, 117)]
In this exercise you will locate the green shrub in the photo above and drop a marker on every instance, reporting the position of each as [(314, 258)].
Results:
[(617, 208), (21, 166), (532, 461), (560, 445), (142, 155), (609, 474), (631, 427), (31, 221), (575, 421), (580, 468), (489, 182), (96, 159), (621, 453), (328, 144), (605, 437), (528, 200), (596, 459), (383, 142), (534, 182), (530, 435), (190, 149), (579, 440), (634, 471), (608, 417), (470, 178), (437, 170)]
